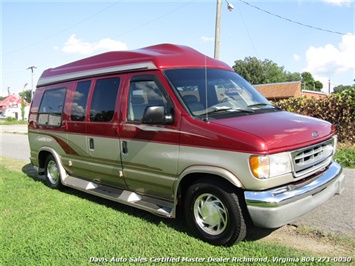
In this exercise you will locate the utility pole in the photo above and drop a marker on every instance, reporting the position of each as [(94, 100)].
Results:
[(218, 26), (31, 67), (217, 29)]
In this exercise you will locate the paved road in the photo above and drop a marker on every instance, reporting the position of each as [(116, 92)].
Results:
[(335, 216), (14, 142), (338, 214)]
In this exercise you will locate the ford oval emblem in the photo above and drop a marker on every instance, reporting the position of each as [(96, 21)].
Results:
[(315, 134)]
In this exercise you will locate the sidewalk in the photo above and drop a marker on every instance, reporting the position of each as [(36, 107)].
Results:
[(21, 129)]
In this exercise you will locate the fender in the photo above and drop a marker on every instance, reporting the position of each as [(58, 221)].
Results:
[(63, 173), (224, 173)]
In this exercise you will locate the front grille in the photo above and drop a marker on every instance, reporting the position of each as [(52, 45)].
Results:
[(311, 159)]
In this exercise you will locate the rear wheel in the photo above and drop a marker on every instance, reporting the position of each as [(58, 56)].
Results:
[(213, 213), (52, 173)]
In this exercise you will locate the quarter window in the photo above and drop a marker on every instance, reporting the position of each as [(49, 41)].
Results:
[(51, 108), (104, 100)]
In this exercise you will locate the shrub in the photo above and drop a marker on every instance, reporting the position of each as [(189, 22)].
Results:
[(10, 119), (338, 109)]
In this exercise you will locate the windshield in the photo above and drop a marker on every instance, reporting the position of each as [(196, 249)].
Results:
[(208, 91)]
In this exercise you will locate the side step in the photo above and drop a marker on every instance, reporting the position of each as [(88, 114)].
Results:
[(155, 206)]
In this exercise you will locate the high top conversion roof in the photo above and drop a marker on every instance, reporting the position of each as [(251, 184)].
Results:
[(160, 56)]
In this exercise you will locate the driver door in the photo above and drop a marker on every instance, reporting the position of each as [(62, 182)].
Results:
[(149, 151)]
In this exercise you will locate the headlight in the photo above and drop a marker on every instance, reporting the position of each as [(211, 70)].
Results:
[(266, 166)]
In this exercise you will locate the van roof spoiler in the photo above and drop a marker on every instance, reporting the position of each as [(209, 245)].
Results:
[(160, 56)]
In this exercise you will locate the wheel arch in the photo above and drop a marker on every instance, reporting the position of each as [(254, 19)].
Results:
[(194, 173), (223, 220), (42, 156)]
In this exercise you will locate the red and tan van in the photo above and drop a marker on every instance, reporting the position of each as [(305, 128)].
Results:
[(165, 126)]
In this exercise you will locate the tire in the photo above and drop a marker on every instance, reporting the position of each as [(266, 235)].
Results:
[(213, 213), (52, 173)]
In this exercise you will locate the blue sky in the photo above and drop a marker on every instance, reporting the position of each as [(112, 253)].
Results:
[(47, 34)]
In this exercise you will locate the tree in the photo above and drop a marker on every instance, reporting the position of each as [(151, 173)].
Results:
[(260, 72), (26, 95), (308, 82), (340, 88), (295, 76), (23, 105), (250, 69), (318, 85)]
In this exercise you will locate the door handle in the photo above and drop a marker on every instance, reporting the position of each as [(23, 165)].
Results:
[(91, 144), (124, 147)]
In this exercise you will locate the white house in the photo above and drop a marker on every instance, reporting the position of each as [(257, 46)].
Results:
[(11, 107)]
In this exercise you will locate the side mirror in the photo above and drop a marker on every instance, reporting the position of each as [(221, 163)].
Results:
[(156, 115)]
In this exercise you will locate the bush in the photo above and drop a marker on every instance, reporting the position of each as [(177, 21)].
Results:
[(10, 119), (338, 109)]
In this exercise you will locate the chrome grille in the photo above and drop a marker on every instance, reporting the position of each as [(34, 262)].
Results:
[(311, 159)]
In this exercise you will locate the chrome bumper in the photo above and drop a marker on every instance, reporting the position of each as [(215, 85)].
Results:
[(276, 207)]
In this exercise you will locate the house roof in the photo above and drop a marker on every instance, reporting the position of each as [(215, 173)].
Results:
[(314, 94), (11, 100), (280, 90)]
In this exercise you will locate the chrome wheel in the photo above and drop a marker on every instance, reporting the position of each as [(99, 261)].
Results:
[(213, 213), (53, 172), (210, 214)]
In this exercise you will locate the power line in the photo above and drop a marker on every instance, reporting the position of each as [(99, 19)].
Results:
[(293, 21), (61, 31), (155, 19), (246, 28)]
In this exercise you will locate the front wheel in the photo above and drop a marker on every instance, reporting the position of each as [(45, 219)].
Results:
[(52, 173), (213, 213)]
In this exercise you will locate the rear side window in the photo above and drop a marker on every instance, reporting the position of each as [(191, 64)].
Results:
[(104, 100), (80, 101), (51, 108)]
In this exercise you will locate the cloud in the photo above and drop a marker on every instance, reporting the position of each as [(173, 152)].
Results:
[(296, 57), (339, 2), (77, 46), (207, 39), (328, 60)]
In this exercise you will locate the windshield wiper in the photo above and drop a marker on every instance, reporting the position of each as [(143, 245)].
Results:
[(264, 104), (258, 104), (217, 109)]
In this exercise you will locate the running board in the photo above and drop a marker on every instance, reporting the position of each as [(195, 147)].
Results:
[(157, 207)]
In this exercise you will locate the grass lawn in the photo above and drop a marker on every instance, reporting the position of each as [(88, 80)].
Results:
[(42, 226), (345, 155)]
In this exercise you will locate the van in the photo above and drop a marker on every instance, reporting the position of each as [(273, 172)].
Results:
[(166, 128)]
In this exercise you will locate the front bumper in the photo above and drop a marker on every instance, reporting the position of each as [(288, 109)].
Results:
[(277, 207)]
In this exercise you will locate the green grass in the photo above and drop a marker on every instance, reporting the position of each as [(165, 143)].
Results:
[(42, 226), (345, 155), (13, 121)]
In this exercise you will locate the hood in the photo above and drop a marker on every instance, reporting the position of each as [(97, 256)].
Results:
[(280, 130)]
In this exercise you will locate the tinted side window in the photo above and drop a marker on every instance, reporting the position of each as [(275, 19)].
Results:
[(104, 100), (143, 93), (51, 108), (80, 101)]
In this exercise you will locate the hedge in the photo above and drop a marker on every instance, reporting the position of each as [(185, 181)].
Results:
[(338, 109)]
